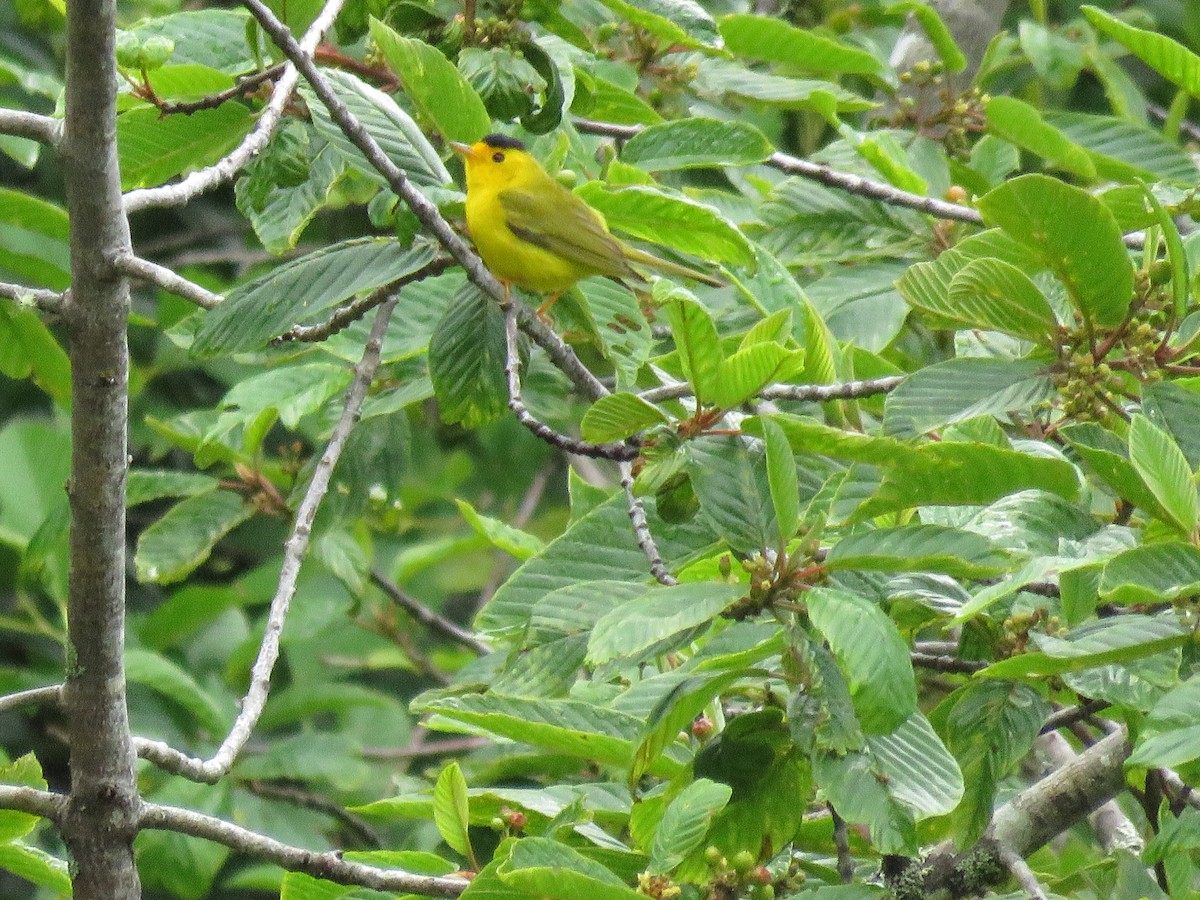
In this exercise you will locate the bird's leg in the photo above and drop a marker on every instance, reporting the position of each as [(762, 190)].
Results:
[(546, 304)]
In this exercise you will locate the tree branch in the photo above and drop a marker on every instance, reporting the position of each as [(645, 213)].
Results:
[(355, 310), (329, 865), (1111, 825), (161, 276), (99, 822), (815, 393), (354, 825), (641, 529), (19, 123), (198, 182), (51, 695), (50, 302), (615, 450), (427, 616), (1023, 874), (424, 209), (212, 770), (46, 804), (244, 85), (843, 181)]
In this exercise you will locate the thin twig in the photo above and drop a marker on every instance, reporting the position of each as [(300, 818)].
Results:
[(366, 835), (843, 181), (841, 840), (1072, 714), (421, 749), (161, 276), (329, 865), (950, 664), (423, 208), (351, 312), (223, 170), (1022, 873), (51, 695), (615, 450), (1160, 113), (816, 393), (243, 87), (1180, 790), (19, 123), (213, 769), (641, 529), (50, 302), (427, 617)]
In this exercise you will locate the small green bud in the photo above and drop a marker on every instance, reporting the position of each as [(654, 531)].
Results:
[(712, 855), (129, 50), (743, 861), (156, 51)]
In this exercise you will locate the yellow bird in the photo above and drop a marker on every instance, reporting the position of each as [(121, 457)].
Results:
[(534, 233)]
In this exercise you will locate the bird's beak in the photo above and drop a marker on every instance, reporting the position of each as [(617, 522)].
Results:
[(463, 150)]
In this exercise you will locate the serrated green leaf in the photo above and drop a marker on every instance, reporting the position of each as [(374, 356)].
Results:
[(37, 866), (1021, 124), (1107, 457), (731, 485), (434, 84), (772, 39), (25, 771), (697, 342), (155, 148), (1122, 150), (872, 655), (651, 214), (1097, 644), (1164, 470), (451, 812), (993, 294), (696, 143), (144, 485), (293, 391), (920, 772), (1166, 56), (466, 360), (659, 614), (782, 479), (303, 290), (1152, 573), (936, 30), (1089, 257), (1171, 736), (618, 416), (685, 822), (182, 539), (675, 21), (919, 548), (752, 368), (516, 543)]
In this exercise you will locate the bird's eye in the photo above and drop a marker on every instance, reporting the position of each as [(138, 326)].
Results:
[(497, 157)]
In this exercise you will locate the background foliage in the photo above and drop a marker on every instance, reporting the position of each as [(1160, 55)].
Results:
[(882, 595)]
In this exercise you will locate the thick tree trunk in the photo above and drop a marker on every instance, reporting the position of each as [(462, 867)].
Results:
[(101, 817)]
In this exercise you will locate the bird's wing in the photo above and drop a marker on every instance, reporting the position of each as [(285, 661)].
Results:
[(577, 234)]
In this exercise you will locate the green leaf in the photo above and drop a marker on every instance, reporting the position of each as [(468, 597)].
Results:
[(960, 389), (144, 485), (516, 543), (433, 83), (25, 772), (1107, 457), (1090, 646), (659, 614), (858, 792), (466, 360), (1164, 470), (919, 771), (544, 868), (158, 673), (1122, 150), (621, 327), (919, 548), (1152, 573), (334, 759), (731, 484), (303, 290), (935, 29), (391, 127), (685, 822), (872, 655), (1021, 124), (764, 37), (1089, 257), (28, 348), (993, 294), (37, 866), (451, 812), (752, 368), (696, 143), (611, 103), (597, 547), (215, 38), (697, 343), (675, 21), (292, 391), (1168, 57), (155, 148), (651, 214), (33, 241), (618, 416), (1171, 736), (284, 186), (182, 539), (782, 479), (721, 79)]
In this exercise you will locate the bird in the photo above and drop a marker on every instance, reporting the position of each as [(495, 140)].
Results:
[(534, 233)]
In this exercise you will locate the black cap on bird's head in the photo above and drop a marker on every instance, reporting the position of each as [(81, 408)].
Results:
[(503, 142)]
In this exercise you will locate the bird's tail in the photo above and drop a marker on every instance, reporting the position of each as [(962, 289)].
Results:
[(640, 257)]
